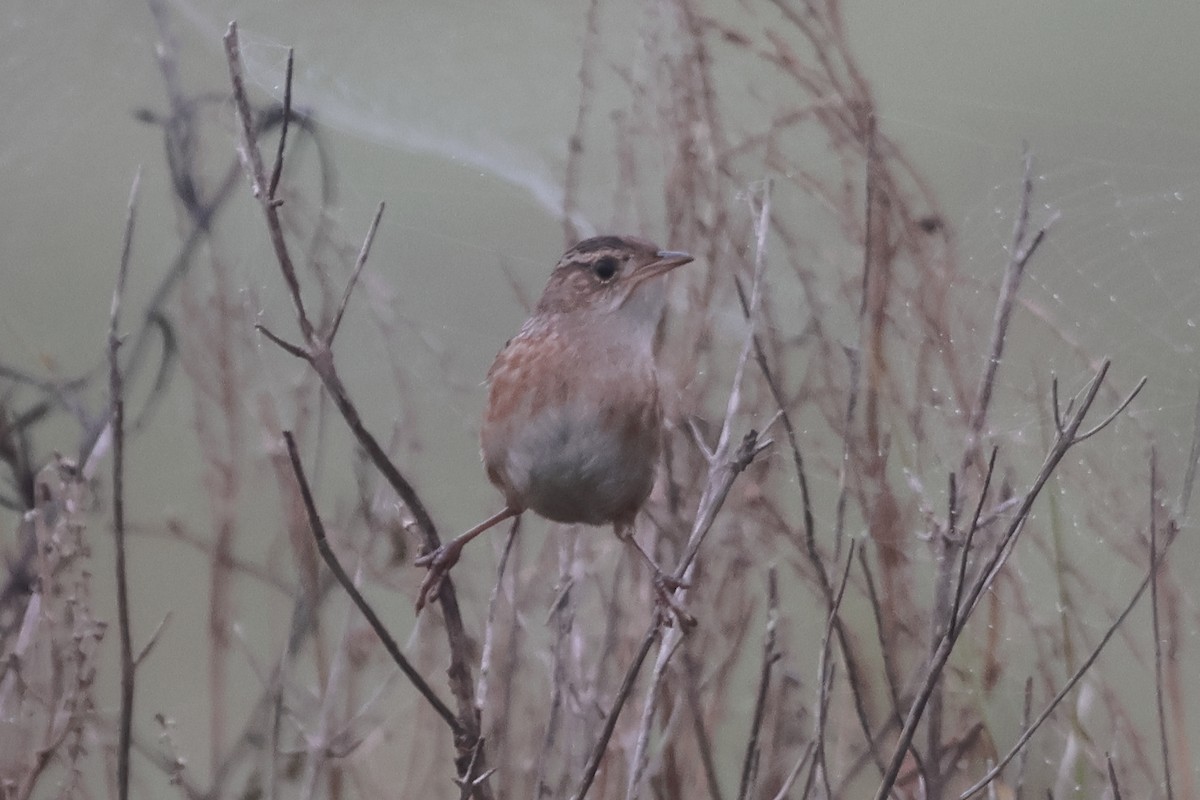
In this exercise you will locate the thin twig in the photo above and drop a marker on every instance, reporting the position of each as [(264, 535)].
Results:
[(942, 617), (703, 740), (485, 659), (389, 643), (885, 650), (1189, 476), (641, 752), (148, 647), (1063, 442), (575, 144), (563, 614), (1023, 761), (823, 700), (117, 401), (824, 674), (749, 306), (1155, 627), (809, 533), (610, 719), (253, 163), (277, 170), (839, 518), (1155, 561), (316, 352), (964, 555), (805, 755), (363, 252), (1112, 777), (1104, 423), (770, 656), (1024, 738), (721, 477), (467, 782), (870, 180), (1020, 254)]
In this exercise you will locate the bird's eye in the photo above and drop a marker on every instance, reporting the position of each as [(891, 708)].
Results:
[(605, 268)]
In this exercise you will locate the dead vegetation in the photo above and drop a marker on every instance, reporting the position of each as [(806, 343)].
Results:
[(859, 541)]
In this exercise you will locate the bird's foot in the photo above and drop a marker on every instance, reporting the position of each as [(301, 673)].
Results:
[(439, 563), (665, 606)]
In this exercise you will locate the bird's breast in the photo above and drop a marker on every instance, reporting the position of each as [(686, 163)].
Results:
[(572, 432)]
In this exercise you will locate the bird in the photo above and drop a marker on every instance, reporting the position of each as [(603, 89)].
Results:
[(573, 424)]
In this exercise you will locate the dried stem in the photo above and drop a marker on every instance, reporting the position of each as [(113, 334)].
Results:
[(1022, 250), (1065, 440), (721, 477), (1155, 629), (489, 631), (335, 566), (1024, 738), (1112, 777), (117, 400), (825, 674), (317, 352), (770, 657)]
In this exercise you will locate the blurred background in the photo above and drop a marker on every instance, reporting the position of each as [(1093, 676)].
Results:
[(458, 116)]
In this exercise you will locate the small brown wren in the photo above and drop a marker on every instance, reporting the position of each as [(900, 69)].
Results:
[(573, 424)]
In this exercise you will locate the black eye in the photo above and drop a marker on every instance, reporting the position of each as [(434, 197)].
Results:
[(605, 268)]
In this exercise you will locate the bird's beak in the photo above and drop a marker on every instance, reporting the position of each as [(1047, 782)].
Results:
[(667, 260), (664, 261), (670, 259)]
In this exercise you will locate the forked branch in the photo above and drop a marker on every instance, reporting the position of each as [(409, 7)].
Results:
[(317, 351), (1068, 436)]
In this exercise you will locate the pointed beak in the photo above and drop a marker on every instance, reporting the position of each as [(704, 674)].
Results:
[(670, 259), (667, 260), (664, 261)]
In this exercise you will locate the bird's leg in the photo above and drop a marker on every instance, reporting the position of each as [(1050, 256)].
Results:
[(664, 583), (442, 559)]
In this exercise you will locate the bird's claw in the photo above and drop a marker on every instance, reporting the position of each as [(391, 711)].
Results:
[(439, 562), (666, 607), (669, 583)]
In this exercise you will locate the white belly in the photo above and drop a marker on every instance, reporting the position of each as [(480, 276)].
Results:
[(569, 467)]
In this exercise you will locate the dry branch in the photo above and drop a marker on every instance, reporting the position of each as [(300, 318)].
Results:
[(316, 350)]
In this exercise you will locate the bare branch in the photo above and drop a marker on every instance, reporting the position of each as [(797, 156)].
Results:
[(277, 170), (286, 346), (318, 354), (966, 546), (485, 659), (1112, 416), (1063, 442), (117, 402), (1189, 477), (797, 768), (1156, 629), (1023, 739), (358, 266), (335, 566), (824, 675), (1112, 777), (770, 656), (252, 161), (1020, 253)]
